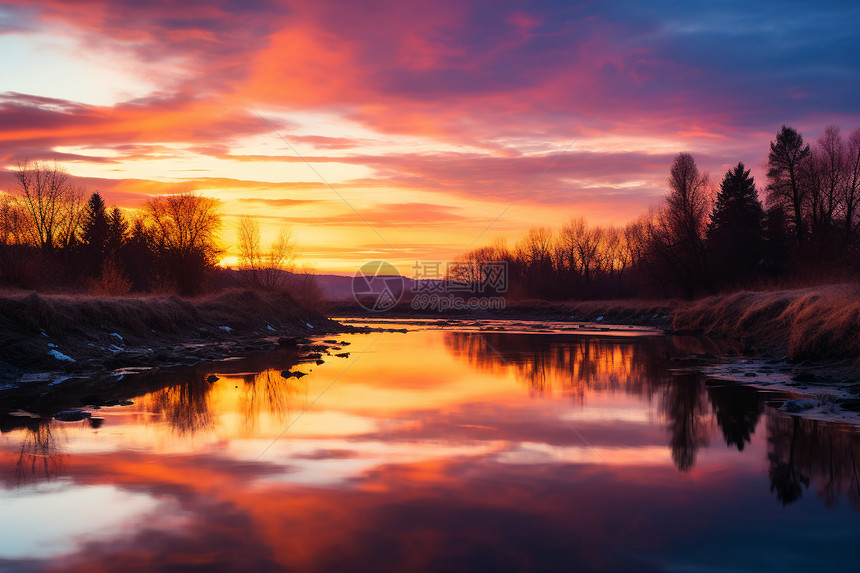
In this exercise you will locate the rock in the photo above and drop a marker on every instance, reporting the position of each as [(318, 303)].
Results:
[(330, 341), (320, 361), (96, 422), (314, 348), (126, 403), (342, 355), (211, 378), (750, 374), (800, 405), (93, 400), (292, 374), (852, 405), (72, 415), (805, 376), (288, 341)]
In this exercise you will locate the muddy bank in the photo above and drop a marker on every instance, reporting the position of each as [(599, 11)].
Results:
[(46, 338), (656, 314)]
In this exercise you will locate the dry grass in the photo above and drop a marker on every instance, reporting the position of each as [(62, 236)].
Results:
[(60, 316), (812, 323)]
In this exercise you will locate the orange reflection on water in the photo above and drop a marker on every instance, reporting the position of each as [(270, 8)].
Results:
[(425, 449)]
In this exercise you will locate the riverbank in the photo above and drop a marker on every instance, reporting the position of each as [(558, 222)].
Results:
[(46, 337), (651, 313), (811, 324), (804, 341)]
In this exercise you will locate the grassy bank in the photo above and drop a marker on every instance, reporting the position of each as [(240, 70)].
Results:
[(76, 333), (820, 323)]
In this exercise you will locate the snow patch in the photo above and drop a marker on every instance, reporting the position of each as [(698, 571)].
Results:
[(24, 414), (309, 325), (225, 328), (60, 356), (114, 334)]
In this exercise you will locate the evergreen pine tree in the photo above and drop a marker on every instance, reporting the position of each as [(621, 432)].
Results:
[(94, 234), (736, 233)]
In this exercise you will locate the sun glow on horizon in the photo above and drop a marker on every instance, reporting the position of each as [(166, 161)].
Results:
[(310, 118)]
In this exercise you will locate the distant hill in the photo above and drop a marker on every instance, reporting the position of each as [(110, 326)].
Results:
[(333, 287), (339, 287)]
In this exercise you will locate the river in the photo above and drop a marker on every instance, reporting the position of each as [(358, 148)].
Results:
[(440, 449)]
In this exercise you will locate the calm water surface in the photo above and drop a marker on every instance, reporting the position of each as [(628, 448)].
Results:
[(435, 450)]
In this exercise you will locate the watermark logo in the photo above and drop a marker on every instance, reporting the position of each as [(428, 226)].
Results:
[(435, 285), (460, 285), (377, 286)]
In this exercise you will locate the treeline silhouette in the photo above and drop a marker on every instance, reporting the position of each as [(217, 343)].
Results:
[(703, 239), (52, 235)]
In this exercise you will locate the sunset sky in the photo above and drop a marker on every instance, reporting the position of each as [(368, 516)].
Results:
[(428, 120)]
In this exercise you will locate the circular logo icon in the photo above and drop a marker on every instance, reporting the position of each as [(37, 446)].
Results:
[(377, 286)]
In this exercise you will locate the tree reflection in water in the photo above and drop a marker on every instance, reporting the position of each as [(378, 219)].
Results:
[(573, 365), (40, 457), (738, 409), (268, 392), (188, 409), (808, 452), (801, 453), (184, 406), (685, 408)]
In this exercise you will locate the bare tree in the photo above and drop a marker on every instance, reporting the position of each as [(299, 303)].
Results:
[(265, 269), (185, 231), (679, 239), (821, 175), (12, 221), (688, 200), (567, 246), (49, 198), (851, 187), (250, 254), (831, 149), (72, 217), (186, 222), (583, 249), (534, 255)]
